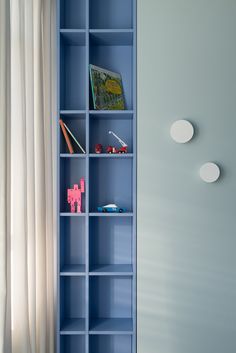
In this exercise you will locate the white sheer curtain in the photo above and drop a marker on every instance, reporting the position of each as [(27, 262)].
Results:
[(27, 167)]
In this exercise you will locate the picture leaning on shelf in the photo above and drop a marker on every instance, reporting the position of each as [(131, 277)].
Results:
[(107, 89), (66, 131)]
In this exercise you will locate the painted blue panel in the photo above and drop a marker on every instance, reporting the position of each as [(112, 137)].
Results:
[(72, 13), (72, 75), (71, 170), (111, 14), (110, 241), (72, 344), (72, 245), (113, 297), (72, 299), (110, 182), (117, 59), (99, 132)]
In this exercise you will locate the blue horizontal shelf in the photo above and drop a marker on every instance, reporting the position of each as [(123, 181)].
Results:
[(73, 326), (113, 115), (73, 36), (101, 214), (73, 155), (111, 270), (73, 270), (111, 37), (96, 155), (69, 214), (111, 155), (111, 326), (73, 114), (111, 30), (111, 112)]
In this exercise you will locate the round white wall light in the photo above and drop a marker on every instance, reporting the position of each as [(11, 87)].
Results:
[(181, 131), (209, 172)]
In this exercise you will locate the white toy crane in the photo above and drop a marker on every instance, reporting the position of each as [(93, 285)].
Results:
[(123, 149)]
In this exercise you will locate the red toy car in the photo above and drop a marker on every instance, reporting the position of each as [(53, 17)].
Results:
[(112, 149)]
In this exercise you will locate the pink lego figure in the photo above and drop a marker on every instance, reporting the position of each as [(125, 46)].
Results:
[(74, 196)]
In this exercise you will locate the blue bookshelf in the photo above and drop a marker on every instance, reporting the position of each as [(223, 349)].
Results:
[(96, 272)]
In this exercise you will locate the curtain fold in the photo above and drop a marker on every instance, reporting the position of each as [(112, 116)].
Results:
[(5, 274), (28, 230)]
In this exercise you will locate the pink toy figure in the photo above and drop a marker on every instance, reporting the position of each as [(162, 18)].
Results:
[(74, 196)]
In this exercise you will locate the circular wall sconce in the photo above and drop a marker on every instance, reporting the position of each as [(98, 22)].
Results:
[(181, 131), (209, 172)]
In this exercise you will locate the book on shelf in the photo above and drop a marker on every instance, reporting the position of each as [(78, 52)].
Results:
[(73, 137), (66, 136), (66, 131), (107, 89)]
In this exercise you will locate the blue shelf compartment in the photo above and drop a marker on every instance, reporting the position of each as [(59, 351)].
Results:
[(101, 124), (114, 51), (71, 171), (111, 14), (110, 246), (111, 181), (110, 311), (72, 246), (72, 304), (72, 70), (72, 343), (72, 14)]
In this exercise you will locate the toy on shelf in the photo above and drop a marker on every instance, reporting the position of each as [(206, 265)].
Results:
[(74, 196), (112, 149), (98, 148), (111, 208)]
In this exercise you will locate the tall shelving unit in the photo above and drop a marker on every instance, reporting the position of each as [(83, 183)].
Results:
[(96, 251)]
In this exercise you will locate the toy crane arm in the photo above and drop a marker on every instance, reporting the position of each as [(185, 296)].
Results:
[(123, 144)]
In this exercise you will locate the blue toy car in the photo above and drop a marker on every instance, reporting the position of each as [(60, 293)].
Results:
[(111, 208)]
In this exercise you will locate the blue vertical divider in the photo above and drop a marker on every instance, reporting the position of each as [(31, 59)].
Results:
[(96, 272)]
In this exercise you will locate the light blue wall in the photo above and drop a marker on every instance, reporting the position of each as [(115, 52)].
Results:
[(186, 228)]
